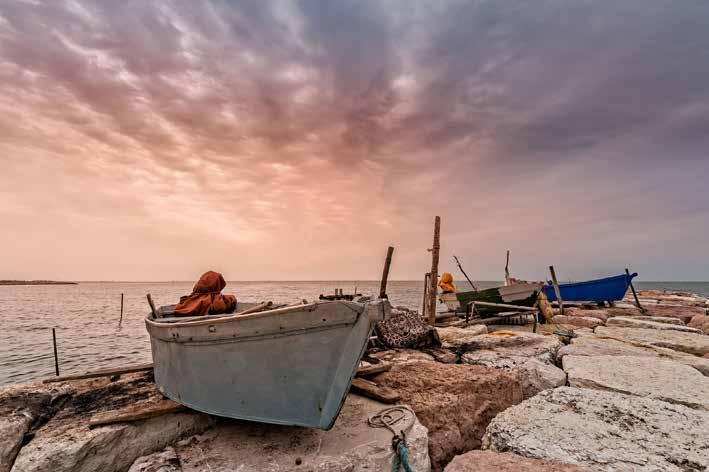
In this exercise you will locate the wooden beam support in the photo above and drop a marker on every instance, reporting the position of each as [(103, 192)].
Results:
[(504, 305), (369, 389), (557, 292), (435, 252), (135, 413)]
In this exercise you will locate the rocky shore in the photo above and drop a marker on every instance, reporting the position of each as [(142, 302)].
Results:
[(628, 390)]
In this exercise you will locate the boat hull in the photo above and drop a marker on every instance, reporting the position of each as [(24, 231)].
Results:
[(290, 366), (518, 294), (600, 290)]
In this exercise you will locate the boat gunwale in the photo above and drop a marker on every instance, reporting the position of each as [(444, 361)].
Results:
[(250, 316)]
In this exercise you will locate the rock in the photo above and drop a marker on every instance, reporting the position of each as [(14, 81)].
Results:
[(535, 375), (443, 355), (457, 338), (12, 432), (164, 461), (684, 313), (700, 322), (517, 343), (660, 319), (402, 356), (642, 376), (106, 448), (598, 314), (351, 445), (603, 431), (476, 461), (454, 401), (627, 322), (691, 343), (581, 321), (596, 346)]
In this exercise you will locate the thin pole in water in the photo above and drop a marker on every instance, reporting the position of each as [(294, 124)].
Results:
[(121, 319), (56, 357)]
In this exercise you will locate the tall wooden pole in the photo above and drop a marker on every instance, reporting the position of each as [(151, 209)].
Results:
[(385, 274), (635, 295), (121, 318), (56, 357), (556, 290), (435, 250)]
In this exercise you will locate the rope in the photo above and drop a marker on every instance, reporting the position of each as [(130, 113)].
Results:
[(388, 418)]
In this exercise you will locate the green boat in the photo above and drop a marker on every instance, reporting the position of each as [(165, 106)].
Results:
[(522, 294)]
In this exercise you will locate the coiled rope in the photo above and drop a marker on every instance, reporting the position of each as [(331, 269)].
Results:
[(389, 418)]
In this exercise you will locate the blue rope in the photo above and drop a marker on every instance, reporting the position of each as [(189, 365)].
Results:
[(401, 457)]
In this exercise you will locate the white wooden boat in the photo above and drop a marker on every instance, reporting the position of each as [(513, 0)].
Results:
[(523, 294), (291, 365)]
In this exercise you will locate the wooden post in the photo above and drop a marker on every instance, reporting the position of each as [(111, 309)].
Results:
[(637, 301), (385, 273), (435, 250), (556, 290), (507, 268), (56, 357), (426, 285), (121, 319), (152, 306)]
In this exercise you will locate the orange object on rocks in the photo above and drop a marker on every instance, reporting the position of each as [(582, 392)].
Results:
[(206, 298)]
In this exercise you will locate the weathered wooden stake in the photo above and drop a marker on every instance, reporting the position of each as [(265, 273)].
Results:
[(637, 301), (556, 290), (56, 357), (385, 273), (152, 306), (121, 319), (435, 250), (426, 285)]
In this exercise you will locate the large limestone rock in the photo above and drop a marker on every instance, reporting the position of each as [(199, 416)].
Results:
[(454, 401), (66, 443), (12, 432), (581, 321), (457, 338), (597, 346), (642, 376), (684, 313), (477, 461), (517, 343), (700, 322), (535, 374), (628, 322), (604, 431), (692, 343), (660, 319), (600, 314), (351, 445)]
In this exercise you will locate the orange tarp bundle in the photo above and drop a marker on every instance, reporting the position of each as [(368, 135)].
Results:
[(206, 298)]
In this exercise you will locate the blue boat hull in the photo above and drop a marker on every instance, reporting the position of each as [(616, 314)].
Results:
[(600, 290)]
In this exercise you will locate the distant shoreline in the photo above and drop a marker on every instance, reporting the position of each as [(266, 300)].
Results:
[(35, 282)]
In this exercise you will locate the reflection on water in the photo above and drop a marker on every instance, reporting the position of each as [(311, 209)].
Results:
[(86, 318)]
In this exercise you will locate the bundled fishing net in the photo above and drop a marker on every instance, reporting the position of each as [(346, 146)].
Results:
[(406, 329)]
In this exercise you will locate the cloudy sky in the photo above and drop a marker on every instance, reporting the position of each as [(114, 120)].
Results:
[(297, 140)]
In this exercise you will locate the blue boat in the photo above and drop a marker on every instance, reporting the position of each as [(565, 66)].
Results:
[(608, 289)]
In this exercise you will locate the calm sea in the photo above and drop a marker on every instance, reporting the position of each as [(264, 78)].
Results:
[(86, 318)]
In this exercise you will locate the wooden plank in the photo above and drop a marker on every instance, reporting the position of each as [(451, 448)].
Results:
[(504, 305), (369, 389), (435, 250), (135, 413), (373, 369), (556, 290), (101, 373), (385, 273)]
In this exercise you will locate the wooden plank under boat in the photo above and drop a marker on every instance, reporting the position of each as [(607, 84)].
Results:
[(521, 294), (291, 365), (607, 289)]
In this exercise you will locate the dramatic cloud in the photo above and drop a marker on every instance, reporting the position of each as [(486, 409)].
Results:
[(283, 140)]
